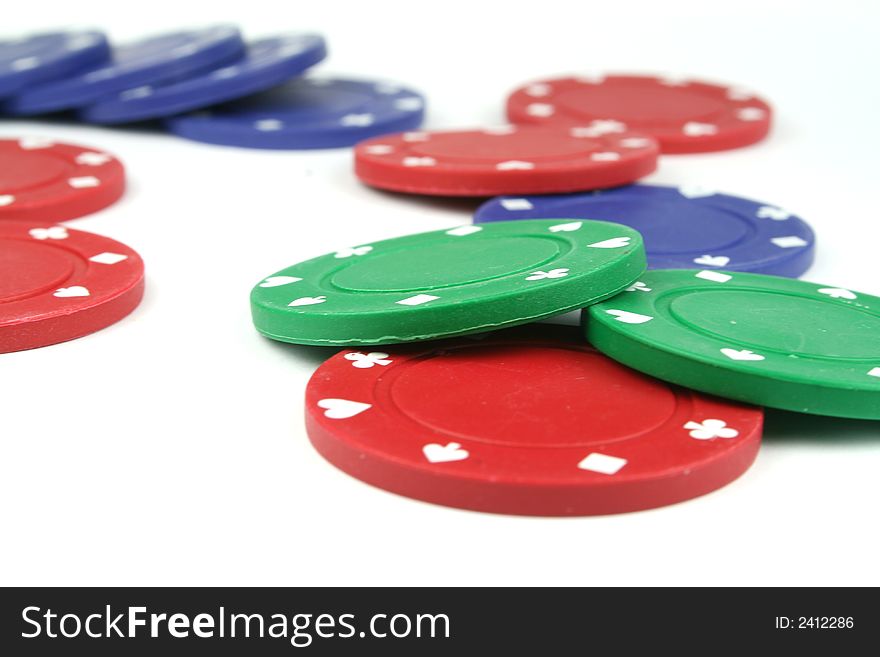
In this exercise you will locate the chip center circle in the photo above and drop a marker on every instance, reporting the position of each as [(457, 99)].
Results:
[(457, 262), (666, 223), (531, 397), (640, 104), (27, 269), (787, 324), (24, 171), (524, 144)]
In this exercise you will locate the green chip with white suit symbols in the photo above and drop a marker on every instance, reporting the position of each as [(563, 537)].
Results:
[(467, 279), (772, 341)]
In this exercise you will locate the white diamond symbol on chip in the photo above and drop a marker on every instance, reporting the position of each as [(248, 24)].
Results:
[(83, 181), (538, 89), (516, 204), (185, 51), (225, 73), (411, 104), (500, 130), (714, 276), (515, 165), (93, 159), (599, 127), (461, 231), (697, 129), (540, 109), (357, 120), (635, 142), (137, 92), (751, 114), (412, 161), (602, 463), (34, 143), (25, 63), (789, 242), (268, 125), (417, 300), (379, 149), (108, 258)]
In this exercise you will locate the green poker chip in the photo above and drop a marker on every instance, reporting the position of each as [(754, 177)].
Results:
[(463, 280), (771, 341)]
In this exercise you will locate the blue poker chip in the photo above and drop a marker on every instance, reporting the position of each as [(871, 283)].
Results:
[(42, 57), (155, 60), (307, 113), (682, 227), (267, 62)]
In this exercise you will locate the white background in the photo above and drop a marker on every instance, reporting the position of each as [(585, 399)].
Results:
[(169, 449)]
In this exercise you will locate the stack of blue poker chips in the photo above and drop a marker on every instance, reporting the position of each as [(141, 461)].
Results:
[(154, 60), (207, 85)]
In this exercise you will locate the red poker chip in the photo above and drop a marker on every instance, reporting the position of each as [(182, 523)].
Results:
[(504, 160), (524, 422), (684, 116), (46, 181), (57, 284)]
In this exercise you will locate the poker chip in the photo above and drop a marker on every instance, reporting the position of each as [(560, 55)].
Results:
[(771, 341), (267, 62), (48, 181), (685, 116), (504, 160), (307, 113), (42, 57), (463, 280), (57, 284), (530, 423), (682, 227), (154, 60)]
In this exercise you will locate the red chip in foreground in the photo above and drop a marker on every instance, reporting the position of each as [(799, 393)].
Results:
[(46, 181), (684, 116), (57, 284), (504, 160), (524, 422)]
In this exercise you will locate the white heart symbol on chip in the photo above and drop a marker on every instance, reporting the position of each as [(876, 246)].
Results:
[(444, 453), (566, 228), (342, 409), (613, 243), (307, 301)]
